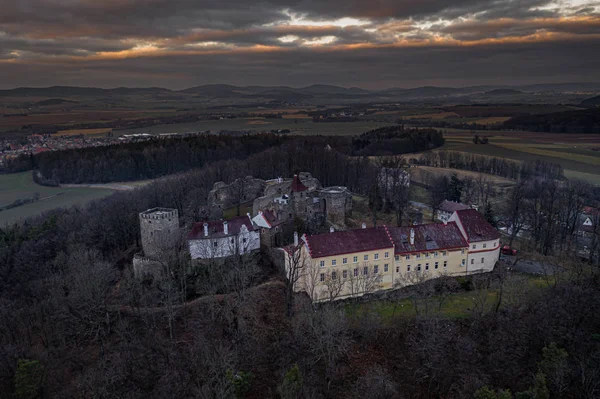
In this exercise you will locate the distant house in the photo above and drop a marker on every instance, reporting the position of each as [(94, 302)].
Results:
[(223, 238), (587, 220), (482, 237), (447, 208)]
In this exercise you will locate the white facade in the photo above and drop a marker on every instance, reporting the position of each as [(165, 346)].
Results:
[(224, 246), (482, 256)]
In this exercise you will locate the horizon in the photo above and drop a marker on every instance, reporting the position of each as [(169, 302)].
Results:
[(303, 86)]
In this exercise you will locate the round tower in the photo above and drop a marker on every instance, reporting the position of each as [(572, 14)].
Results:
[(159, 230), (336, 203)]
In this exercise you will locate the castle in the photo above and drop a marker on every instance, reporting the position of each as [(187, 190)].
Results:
[(276, 205)]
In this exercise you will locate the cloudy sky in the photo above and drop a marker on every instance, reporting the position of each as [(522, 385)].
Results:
[(365, 43)]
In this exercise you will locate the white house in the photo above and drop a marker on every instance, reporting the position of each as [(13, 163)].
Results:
[(223, 238), (447, 209), (482, 237)]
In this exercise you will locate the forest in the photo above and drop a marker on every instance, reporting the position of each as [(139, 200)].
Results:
[(161, 157)]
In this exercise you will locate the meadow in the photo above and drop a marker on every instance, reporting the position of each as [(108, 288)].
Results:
[(21, 185)]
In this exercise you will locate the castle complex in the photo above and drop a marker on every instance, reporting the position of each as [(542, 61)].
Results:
[(334, 265)]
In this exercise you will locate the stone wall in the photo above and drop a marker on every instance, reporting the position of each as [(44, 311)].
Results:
[(145, 267)]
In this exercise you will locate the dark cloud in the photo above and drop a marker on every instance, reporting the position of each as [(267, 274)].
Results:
[(184, 42), (371, 67)]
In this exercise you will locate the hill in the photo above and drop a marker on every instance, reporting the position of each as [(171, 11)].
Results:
[(503, 92), (580, 121), (591, 102)]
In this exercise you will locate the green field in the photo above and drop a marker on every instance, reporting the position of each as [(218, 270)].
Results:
[(21, 185), (300, 126), (576, 156), (456, 305)]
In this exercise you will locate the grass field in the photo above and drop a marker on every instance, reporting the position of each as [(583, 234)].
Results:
[(300, 126), (21, 185), (457, 305), (575, 153), (85, 132)]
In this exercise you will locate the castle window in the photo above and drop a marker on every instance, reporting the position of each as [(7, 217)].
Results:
[(462, 251), (408, 268), (407, 257), (333, 275), (436, 265), (345, 260), (355, 259), (366, 270), (231, 240), (474, 246), (322, 263), (482, 260), (419, 267), (397, 269), (444, 253), (215, 244), (244, 240), (322, 277), (397, 258), (426, 266), (366, 257), (376, 256), (376, 269), (472, 261), (445, 263), (484, 245), (385, 267), (345, 274), (356, 272), (386, 255), (464, 261), (427, 255), (435, 254), (333, 262), (418, 256)]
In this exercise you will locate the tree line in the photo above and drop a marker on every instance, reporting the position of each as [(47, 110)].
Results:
[(491, 165)]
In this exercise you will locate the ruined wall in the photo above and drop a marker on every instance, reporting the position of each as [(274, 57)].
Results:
[(224, 196)]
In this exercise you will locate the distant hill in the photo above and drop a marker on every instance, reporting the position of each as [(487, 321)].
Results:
[(503, 92), (72, 91), (591, 102)]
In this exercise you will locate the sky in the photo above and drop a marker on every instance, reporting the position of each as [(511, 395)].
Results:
[(371, 44)]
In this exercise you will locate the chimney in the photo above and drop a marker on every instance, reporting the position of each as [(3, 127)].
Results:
[(331, 229), (295, 238), (445, 221), (225, 228), (412, 236), (364, 225), (205, 229)]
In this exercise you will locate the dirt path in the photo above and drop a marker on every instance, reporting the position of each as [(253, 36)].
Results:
[(117, 186)]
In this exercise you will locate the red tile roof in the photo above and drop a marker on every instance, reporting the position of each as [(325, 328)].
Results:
[(428, 237), (342, 242), (297, 185), (451, 206), (476, 227), (215, 228)]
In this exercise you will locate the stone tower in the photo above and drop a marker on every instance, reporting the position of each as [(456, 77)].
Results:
[(336, 203), (159, 230)]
